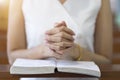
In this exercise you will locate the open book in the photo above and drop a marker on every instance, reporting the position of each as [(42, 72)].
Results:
[(28, 66)]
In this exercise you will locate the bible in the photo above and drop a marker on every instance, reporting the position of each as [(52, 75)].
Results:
[(29, 66)]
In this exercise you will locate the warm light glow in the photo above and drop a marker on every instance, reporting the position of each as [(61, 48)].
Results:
[(2, 1)]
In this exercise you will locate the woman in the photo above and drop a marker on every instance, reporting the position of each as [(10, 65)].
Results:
[(61, 29)]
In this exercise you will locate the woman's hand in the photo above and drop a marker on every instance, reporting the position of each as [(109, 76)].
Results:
[(46, 52), (72, 53), (60, 37), (60, 40)]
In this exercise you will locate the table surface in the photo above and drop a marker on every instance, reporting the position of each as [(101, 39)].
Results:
[(109, 72)]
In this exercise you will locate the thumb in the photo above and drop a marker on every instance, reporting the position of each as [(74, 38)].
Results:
[(62, 23)]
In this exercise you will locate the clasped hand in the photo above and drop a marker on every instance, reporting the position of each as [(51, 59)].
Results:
[(60, 39)]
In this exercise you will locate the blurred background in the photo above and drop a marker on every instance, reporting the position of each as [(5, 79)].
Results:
[(4, 7)]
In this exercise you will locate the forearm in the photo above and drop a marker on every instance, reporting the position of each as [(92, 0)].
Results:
[(26, 53), (97, 58)]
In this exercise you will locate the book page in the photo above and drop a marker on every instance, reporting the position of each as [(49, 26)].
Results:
[(85, 67), (77, 64), (29, 66), (33, 63)]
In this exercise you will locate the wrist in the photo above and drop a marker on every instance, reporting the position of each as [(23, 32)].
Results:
[(38, 52), (80, 53), (77, 52)]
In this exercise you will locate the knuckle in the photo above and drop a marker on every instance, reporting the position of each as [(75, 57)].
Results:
[(51, 47), (49, 38), (62, 44), (62, 28), (61, 34), (58, 30), (58, 48), (60, 39)]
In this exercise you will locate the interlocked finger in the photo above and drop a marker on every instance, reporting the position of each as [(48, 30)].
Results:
[(60, 37)]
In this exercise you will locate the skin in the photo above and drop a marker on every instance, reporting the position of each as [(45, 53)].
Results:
[(62, 1), (59, 40)]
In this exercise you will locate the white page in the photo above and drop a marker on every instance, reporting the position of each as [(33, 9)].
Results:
[(78, 64), (33, 63)]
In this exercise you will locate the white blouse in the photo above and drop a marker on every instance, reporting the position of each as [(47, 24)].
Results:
[(80, 16)]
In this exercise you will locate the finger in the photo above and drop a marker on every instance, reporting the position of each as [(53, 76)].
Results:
[(69, 31), (56, 55), (64, 45), (52, 53), (60, 24), (52, 31), (59, 38), (64, 35), (65, 25), (60, 46), (48, 53), (53, 47), (56, 40), (55, 30), (52, 39), (60, 29), (63, 51)]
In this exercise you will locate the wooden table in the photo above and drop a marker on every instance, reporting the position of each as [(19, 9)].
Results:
[(109, 72)]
